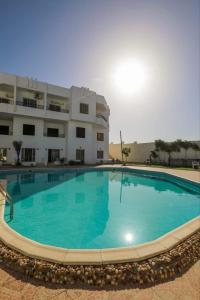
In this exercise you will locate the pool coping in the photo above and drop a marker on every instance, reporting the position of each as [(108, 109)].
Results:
[(64, 256)]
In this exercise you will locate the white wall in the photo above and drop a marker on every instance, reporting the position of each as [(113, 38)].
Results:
[(102, 145)]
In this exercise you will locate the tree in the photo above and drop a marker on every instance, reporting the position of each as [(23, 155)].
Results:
[(195, 147), (167, 147), (17, 145), (159, 145), (185, 145), (188, 145), (153, 155), (126, 152), (172, 147)]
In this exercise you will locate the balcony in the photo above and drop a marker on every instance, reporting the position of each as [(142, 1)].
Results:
[(101, 120), (101, 117), (57, 108), (6, 100), (29, 103)]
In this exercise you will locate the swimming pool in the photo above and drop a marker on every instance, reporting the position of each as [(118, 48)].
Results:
[(98, 209)]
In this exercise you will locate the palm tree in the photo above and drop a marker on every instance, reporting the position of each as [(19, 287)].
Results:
[(126, 152), (17, 145), (167, 147), (159, 145), (185, 145), (172, 147), (188, 145), (195, 147), (153, 155)]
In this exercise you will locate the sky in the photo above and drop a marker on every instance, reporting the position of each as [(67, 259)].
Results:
[(81, 42)]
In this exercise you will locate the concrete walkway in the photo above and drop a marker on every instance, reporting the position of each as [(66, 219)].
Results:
[(187, 287)]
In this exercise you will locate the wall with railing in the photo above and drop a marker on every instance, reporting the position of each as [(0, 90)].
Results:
[(140, 152)]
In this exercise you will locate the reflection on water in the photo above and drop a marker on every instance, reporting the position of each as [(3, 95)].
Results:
[(23, 185), (27, 178), (53, 177)]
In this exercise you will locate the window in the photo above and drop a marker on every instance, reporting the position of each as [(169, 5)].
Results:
[(80, 132), (3, 154), (28, 129), (80, 154), (53, 132), (4, 130), (84, 108), (100, 136), (28, 154), (54, 107), (29, 102), (100, 154)]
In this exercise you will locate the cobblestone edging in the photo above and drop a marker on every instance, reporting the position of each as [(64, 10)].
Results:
[(149, 271)]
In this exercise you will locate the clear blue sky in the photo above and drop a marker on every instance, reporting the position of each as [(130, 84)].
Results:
[(80, 42)]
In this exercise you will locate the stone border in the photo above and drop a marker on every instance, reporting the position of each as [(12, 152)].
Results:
[(150, 271)]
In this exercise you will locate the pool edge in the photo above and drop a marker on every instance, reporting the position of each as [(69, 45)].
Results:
[(99, 256)]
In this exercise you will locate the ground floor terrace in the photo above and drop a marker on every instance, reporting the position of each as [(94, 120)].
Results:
[(51, 141), (184, 286)]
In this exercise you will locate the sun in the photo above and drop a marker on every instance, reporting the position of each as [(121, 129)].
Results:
[(130, 76)]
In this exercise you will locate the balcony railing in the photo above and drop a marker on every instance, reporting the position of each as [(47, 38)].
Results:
[(101, 117), (22, 103), (66, 111), (56, 136), (6, 100)]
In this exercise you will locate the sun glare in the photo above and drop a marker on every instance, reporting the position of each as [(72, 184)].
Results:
[(130, 77), (129, 237)]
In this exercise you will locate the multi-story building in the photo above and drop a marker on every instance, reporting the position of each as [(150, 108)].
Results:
[(54, 123)]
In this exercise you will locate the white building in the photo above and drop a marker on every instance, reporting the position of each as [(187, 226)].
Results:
[(52, 122)]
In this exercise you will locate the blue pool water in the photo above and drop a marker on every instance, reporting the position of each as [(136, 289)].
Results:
[(98, 209)]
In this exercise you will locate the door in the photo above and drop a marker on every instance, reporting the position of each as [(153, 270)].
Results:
[(80, 155), (53, 155)]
